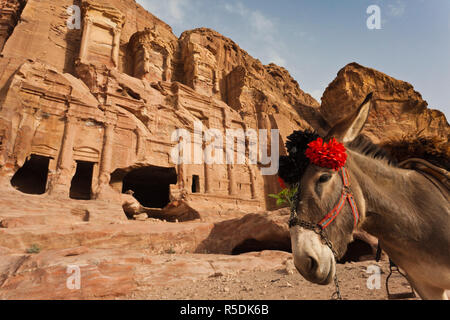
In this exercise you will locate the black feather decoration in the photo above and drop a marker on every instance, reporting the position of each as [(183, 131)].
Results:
[(293, 166)]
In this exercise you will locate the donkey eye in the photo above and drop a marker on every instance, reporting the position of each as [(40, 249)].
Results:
[(324, 178)]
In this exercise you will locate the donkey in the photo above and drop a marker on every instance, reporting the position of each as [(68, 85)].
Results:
[(402, 208)]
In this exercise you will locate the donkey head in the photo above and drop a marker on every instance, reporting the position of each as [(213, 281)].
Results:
[(320, 189)]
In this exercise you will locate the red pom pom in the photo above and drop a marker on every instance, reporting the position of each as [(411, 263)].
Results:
[(328, 155), (281, 182)]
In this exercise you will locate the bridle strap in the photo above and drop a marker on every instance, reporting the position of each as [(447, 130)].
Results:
[(346, 195)]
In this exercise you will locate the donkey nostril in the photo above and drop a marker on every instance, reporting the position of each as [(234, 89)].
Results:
[(312, 265)]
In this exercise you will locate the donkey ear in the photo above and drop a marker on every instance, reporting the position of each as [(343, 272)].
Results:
[(349, 128)]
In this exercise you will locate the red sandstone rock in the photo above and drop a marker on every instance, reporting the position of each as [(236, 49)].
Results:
[(116, 273), (398, 110), (253, 232), (51, 224), (112, 92)]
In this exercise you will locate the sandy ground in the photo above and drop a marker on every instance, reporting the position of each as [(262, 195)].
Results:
[(282, 284)]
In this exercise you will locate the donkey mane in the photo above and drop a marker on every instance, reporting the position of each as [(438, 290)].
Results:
[(293, 165), (363, 145)]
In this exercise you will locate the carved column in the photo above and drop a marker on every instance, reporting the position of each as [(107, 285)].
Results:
[(249, 142), (207, 173), (167, 68), (85, 38), (252, 181), (60, 184), (66, 155), (106, 159), (230, 167), (116, 45), (105, 165), (231, 180), (208, 178), (215, 81)]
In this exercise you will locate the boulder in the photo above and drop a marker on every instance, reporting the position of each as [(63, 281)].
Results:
[(399, 119)]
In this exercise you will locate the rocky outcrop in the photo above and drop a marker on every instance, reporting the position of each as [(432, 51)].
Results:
[(93, 109), (253, 232), (10, 12), (117, 273), (215, 65), (398, 110), (54, 224)]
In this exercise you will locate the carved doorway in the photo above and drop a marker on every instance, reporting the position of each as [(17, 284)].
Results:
[(81, 185)]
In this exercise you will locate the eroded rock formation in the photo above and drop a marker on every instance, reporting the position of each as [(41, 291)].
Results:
[(96, 108), (10, 11), (119, 273), (398, 110)]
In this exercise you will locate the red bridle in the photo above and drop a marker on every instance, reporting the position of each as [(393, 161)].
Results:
[(345, 195)]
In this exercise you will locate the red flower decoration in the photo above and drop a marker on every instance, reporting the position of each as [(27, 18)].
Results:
[(328, 155), (281, 182)]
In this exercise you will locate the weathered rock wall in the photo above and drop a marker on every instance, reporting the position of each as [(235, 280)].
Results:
[(100, 104), (398, 110)]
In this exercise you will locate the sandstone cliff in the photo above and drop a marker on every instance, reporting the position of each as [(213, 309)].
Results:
[(399, 119), (95, 106)]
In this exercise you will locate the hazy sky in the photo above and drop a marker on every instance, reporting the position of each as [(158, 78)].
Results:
[(315, 39)]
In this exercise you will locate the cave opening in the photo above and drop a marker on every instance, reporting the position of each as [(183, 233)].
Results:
[(32, 176), (81, 185), (151, 185), (357, 250), (253, 245)]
